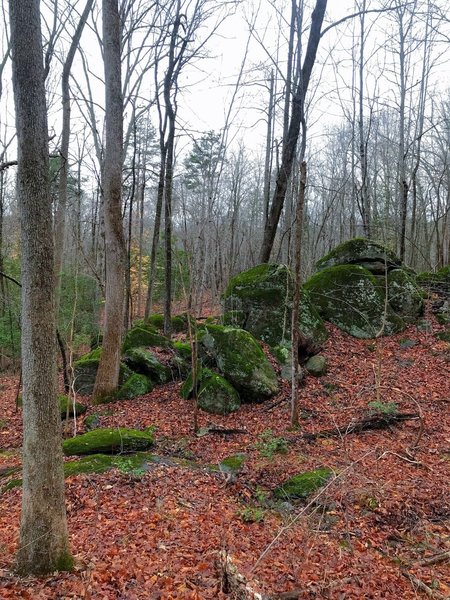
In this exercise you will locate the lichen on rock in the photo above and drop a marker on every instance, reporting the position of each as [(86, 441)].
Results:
[(350, 297), (260, 301)]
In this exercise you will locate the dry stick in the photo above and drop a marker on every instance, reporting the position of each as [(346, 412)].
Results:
[(302, 512), (434, 560), (424, 588)]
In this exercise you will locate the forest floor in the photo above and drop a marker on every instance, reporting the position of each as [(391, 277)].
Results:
[(379, 529)]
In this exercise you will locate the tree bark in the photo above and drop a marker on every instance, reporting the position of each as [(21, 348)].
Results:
[(107, 379), (289, 148), (44, 545)]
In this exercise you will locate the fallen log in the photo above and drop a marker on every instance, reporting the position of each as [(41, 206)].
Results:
[(370, 422)]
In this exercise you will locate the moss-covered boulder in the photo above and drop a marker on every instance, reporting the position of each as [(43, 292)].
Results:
[(240, 359), (136, 385), (65, 405), (67, 408), (405, 297), (217, 396), (108, 441), (85, 372), (360, 251), (350, 297), (187, 389), (143, 361), (179, 323), (316, 365), (260, 301), (144, 336), (303, 484), (438, 282)]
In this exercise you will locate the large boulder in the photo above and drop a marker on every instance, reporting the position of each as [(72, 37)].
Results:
[(239, 358), (85, 372), (350, 297), (214, 393), (360, 251), (108, 441), (136, 385), (405, 298), (260, 301), (144, 336), (143, 361), (217, 396)]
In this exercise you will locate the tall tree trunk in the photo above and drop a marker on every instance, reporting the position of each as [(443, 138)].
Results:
[(289, 148), (107, 378), (60, 217), (44, 545), (296, 308)]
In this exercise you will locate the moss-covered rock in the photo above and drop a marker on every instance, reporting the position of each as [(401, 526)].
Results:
[(303, 484), (147, 337), (85, 372), (240, 359), (232, 464), (360, 251), (260, 301), (350, 297), (91, 422), (143, 361), (217, 396), (183, 350), (64, 404), (108, 441), (405, 297), (316, 365), (187, 389), (438, 282), (136, 385), (67, 408), (99, 463)]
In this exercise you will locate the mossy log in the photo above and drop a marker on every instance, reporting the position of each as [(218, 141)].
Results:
[(108, 441)]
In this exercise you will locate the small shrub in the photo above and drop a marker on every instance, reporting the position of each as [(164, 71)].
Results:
[(251, 514), (382, 408), (270, 444)]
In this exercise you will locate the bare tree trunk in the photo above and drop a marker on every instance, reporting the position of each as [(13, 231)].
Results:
[(297, 294), (44, 545), (289, 148), (60, 218), (108, 371), (156, 231)]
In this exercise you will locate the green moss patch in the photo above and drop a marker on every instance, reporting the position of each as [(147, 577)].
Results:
[(303, 484), (108, 441), (136, 385), (232, 464), (147, 337), (67, 408), (361, 251)]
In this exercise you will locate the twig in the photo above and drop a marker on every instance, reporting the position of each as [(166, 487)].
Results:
[(434, 560), (302, 512), (424, 587)]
